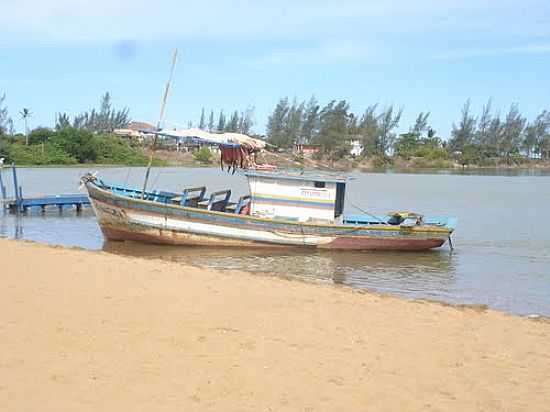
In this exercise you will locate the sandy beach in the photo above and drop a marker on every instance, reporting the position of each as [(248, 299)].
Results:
[(88, 331)]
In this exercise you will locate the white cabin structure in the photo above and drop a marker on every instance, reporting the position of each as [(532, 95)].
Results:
[(300, 197)]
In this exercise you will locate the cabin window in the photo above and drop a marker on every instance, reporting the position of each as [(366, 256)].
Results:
[(340, 197), (319, 185)]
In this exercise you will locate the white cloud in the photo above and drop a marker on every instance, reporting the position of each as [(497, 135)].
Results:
[(100, 21)]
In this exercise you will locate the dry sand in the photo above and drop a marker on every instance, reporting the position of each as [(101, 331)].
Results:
[(89, 331)]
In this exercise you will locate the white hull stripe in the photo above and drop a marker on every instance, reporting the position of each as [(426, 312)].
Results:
[(197, 228)]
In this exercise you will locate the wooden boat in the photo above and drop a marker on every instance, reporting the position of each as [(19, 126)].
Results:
[(282, 209)]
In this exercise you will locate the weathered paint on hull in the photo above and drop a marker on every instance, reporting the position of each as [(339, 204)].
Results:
[(373, 243), (131, 219), (158, 236), (161, 237)]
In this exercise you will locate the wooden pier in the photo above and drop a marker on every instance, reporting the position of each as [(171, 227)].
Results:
[(19, 204)]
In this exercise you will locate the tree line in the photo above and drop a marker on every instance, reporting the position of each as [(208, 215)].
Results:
[(104, 119), (492, 135), (474, 138), (237, 122), (334, 126)]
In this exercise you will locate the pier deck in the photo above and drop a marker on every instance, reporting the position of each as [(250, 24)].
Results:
[(19, 204), (60, 201)]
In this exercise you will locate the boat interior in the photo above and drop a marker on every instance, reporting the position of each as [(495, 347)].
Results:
[(197, 197), (220, 201)]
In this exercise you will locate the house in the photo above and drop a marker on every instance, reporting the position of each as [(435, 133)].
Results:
[(135, 131), (356, 148), (307, 149)]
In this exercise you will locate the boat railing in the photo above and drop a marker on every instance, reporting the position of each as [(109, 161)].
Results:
[(155, 195)]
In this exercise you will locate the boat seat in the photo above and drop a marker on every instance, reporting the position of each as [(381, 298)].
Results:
[(243, 201), (190, 197), (231, 207), (203, 204), (217, 201)]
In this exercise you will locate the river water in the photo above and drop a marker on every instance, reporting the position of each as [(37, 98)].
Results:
[(502, 243)]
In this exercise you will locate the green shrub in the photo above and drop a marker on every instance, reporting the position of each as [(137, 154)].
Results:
[(380, 161), (110, 149), (41, 135), (38, 154), (71, 146), (203, 155), (427, 163), (78, 143)]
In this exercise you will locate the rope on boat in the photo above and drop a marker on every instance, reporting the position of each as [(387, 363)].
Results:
[(369, 214)]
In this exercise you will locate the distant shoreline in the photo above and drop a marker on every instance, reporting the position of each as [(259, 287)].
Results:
[(396, 169), (186, 159)]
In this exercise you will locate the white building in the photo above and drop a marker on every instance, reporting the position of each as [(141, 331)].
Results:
[(356, 148)]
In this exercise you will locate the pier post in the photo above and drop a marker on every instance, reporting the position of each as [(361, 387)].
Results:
[(2, 187), (20, 203), (16, 188)]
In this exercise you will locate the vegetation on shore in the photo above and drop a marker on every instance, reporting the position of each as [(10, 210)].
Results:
[(486, 140), (86, 138)]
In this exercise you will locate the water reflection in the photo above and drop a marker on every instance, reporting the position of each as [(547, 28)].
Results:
[(12, 228), (428, 273), (68, 228)]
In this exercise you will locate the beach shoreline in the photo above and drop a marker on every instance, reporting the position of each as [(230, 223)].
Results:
[(88, 330)]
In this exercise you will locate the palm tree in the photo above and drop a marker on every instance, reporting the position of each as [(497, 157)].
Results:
[(25, 114)]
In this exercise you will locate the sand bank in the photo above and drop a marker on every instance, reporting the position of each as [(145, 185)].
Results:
[(88, 331)]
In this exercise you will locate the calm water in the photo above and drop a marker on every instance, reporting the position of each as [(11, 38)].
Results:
[(502, 244)]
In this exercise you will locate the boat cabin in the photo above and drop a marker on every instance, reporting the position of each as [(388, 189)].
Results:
[(300, 197)]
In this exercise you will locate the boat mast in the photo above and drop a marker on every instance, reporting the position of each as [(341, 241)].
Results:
[(161, 118)]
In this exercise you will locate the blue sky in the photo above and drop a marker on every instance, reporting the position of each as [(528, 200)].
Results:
[(60, 56)]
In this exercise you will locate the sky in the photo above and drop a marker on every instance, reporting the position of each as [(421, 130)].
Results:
[(426, 55)]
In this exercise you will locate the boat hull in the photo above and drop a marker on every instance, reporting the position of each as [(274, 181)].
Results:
[(125, 218)]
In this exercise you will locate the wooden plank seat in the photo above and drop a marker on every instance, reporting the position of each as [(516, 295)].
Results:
[(217, 201), (203, 204), (237, 207), (190, 197), (231, 207)]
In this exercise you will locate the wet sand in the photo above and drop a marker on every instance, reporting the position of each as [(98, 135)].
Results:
[(88, 331)]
